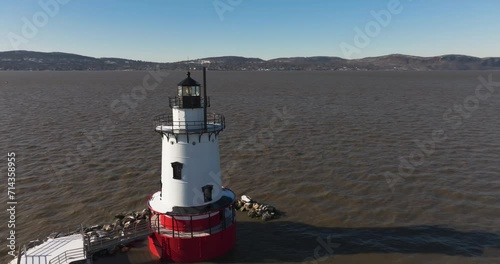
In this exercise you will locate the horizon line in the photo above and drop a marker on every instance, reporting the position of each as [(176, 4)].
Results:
[(391, 54)]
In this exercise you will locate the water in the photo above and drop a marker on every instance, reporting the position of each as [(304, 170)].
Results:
[(314, 144)]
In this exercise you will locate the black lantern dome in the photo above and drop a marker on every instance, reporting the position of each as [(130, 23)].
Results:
[(188, 81), (188, 94)]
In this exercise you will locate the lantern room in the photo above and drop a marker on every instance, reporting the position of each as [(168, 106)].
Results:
[(188, 94)]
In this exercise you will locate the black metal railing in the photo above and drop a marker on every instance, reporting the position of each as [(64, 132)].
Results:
[(226, 221), (188, 102), (165, 123)]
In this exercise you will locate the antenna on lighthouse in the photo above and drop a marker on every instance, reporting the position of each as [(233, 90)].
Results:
[(205, 98)]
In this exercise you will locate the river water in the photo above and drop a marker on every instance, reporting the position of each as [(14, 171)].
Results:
[(370, 167)]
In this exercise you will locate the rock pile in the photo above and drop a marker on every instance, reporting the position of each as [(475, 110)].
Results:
[(123, 222), (264, 211)]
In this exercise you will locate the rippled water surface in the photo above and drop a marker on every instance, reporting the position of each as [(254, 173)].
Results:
[(350, 157)]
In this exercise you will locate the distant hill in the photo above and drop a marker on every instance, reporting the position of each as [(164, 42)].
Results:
[(58, 61)]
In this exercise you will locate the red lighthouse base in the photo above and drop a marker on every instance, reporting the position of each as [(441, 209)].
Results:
[(194, 234), (194, 249)]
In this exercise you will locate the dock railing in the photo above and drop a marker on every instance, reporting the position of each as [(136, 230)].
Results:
[(116, 238), (68, 255)]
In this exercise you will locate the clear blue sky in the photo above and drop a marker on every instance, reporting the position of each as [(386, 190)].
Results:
[(172, 30)]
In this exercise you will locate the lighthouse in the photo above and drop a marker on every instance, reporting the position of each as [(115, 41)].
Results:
[(192, 216)]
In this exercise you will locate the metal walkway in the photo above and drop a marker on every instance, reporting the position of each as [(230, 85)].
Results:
[(116, 238), (61, 250)]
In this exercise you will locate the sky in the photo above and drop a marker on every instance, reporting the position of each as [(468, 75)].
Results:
[(174, 30)]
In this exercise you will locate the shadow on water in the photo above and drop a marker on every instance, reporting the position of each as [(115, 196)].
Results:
[(281, 241)]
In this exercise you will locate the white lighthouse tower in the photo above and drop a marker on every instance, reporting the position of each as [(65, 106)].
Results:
[(192, 215)]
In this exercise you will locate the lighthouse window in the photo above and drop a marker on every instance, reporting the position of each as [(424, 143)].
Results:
[(177, 167), (195, 91), (207, 192)]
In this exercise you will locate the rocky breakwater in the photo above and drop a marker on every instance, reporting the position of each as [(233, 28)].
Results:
[(255, 209), (124, 228)]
